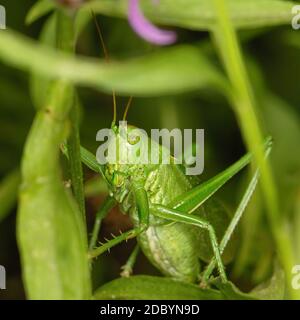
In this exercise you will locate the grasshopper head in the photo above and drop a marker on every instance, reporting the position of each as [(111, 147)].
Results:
[(126, 154)]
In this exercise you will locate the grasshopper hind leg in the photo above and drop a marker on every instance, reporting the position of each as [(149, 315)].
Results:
[(177, 216), (232, 226)]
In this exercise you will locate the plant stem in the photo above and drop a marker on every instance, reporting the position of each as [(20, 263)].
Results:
[(66, 42), (243, 101)]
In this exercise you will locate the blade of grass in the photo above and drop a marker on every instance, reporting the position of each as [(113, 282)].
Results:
[(243, 101)]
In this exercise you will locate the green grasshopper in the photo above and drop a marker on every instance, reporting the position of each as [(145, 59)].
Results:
[(174, 216), (171, 214)]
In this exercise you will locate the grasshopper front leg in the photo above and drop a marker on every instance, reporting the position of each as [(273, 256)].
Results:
[(142, 204), (107, 205)]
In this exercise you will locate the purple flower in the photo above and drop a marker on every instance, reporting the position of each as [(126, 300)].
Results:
[(146, 29)]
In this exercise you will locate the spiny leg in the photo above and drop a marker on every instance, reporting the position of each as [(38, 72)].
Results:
[(128, 266), (113, 242), (106, 206), (235, 220), (177, 216), (143, 210), (191, 200), (142, 204)]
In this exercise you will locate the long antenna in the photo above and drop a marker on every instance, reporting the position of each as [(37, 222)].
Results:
[(127, 108), (106, 55)]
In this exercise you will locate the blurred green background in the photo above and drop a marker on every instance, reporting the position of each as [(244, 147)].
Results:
[(273, 60)]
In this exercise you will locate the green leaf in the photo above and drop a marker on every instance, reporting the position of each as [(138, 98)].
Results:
[(9, 189), (39, 9), (230, 291), (200, 14), (174, 70), (272, 289), (153, 288)]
